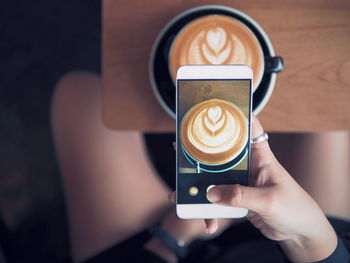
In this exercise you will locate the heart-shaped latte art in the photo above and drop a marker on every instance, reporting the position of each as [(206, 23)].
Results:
[(214, 131), (214, 114), (214, 119), (216, 39)]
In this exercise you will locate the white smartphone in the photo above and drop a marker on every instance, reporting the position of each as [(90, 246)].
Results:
[(213, 112)]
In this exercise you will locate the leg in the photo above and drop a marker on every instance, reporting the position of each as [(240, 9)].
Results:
[(112, 192), (321, 165)]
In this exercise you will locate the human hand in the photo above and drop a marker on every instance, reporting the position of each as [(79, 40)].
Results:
[(279, 207), (188, 230)]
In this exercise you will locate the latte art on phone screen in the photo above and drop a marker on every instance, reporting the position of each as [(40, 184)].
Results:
[(214, 131), (217, 39)]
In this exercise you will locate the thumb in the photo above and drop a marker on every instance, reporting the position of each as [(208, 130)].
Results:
[(236, 195)]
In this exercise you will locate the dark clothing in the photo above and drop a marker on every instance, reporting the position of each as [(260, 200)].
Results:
[(240, 243)]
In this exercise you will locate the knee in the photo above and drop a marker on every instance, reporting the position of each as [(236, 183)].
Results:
[(72, 93)]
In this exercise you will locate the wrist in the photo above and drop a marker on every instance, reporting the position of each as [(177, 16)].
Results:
[(170, 247), (157, 247), (183, 238), (181, 234), (304, 249)]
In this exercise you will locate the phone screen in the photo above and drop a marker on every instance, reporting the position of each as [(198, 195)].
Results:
[(213, 138)]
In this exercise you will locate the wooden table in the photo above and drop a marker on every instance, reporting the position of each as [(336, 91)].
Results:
[(313, 37)]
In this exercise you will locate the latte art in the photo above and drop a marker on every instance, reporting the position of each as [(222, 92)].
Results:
[(216, 47), (214, 131), (217, 39), (213, 137), (214, 119)]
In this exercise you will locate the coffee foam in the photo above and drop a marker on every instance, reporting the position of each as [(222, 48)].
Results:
[(214, 131), (217, 39)]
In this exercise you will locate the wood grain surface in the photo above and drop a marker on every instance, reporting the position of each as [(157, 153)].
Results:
[(313, 37)]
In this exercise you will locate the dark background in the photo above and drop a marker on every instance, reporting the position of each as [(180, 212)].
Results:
[(40, 40)]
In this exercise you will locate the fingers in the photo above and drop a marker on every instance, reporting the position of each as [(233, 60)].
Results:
[(261, 154), (211, 225), (258, 130), (252, 198), (255, 219), (172, 198), (174, 144)]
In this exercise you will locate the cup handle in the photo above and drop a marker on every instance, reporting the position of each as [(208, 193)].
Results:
[(274, 64)]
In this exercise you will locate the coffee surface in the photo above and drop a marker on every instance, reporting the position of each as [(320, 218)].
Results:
[(214, 131), (217, 39)]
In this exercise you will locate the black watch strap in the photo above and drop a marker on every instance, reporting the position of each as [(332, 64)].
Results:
[(178, 247)]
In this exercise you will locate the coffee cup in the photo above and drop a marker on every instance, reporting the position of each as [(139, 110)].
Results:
[(211, 31), (214, 135)]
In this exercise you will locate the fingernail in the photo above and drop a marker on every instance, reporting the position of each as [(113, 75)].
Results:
[(214, 195), (211, 230)]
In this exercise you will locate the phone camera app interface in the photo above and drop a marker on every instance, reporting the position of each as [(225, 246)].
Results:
[(213, 136)]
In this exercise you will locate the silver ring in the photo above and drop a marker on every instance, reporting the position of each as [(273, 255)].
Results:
[(261, 138)]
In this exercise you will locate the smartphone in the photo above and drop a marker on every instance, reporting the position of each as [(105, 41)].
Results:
[(213, 113)]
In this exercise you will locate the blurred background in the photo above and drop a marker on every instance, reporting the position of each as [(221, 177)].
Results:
[(40, 41)]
